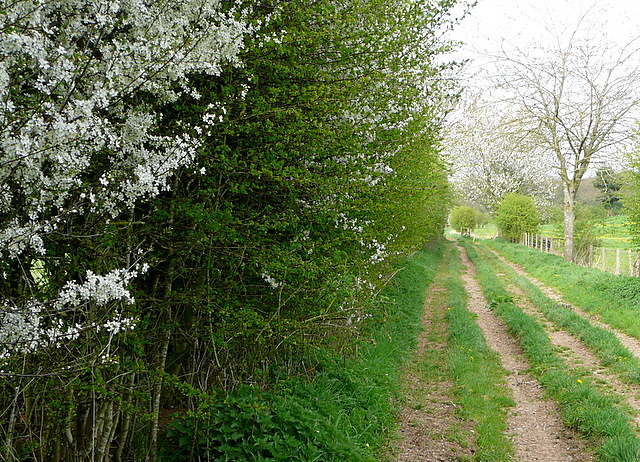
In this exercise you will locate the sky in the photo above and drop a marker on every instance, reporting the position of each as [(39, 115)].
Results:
[(507, 24), (493, 24)]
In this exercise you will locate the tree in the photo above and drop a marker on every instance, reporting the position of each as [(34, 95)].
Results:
[(194, 195), (463, 218), (491, 158), (632, 190), (577, 99), (83, 90), (80, 144), (516, 215), (609, 183)]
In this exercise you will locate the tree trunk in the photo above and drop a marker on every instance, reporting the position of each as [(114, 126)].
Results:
[(157, 393), (569, 221), (9, 454), (127, 418)]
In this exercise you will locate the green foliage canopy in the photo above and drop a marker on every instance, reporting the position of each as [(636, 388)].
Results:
[(463, 217), (516, 215), (609, 183), (317, 168)]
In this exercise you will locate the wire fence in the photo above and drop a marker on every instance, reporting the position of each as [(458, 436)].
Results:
[(616, 261)]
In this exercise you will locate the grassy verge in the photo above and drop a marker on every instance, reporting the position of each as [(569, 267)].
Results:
[(344, 413), (616, 299), (583, 408), (356, 396), (602, 342), (480, 379)]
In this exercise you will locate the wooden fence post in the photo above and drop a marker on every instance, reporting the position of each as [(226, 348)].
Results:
[(617, 262), (604, 259)]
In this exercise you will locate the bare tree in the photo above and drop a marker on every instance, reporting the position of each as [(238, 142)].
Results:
[(578, 99)]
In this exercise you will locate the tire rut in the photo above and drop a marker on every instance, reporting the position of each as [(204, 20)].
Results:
[(577, 355), (428, 418), (534, 422), (573, 350), (631, 343)]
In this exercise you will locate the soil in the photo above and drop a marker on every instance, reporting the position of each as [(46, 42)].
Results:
[(575, 353), (632, 344), (533, 423), (428, 420)]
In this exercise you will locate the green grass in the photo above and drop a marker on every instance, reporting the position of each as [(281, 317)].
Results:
[(345, 412), (583, 407), (480, 379), (395, 328), (613, 232), (616, 299), (457, 353), (602, 342)]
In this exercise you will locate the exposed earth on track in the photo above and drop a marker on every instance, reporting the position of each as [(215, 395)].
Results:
[(428, 417)]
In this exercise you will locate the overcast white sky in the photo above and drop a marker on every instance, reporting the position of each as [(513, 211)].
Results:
[(496, 23)]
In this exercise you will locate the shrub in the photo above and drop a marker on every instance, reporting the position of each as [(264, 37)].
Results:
[(463, 218), (483, 219), (516, 215)]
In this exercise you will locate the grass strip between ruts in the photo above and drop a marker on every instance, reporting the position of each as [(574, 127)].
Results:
[(602, 342), (616, 299), (480, 379), (583, 408)]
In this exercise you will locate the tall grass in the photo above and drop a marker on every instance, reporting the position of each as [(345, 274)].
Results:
[(366, 388)]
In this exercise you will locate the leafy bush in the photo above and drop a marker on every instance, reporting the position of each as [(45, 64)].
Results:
[(343, 413), (248, 425), (516, 215), (463, 218), (483, 219), (589, 220)]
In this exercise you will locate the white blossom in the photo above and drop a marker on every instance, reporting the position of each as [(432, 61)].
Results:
[(97, 289), (69, 71), (271, 281), (49, 140), (31, 328)]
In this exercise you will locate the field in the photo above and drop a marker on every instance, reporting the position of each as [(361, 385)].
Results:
[(612, 232)]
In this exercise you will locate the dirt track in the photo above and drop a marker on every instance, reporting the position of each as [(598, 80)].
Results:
[(533, 423)]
